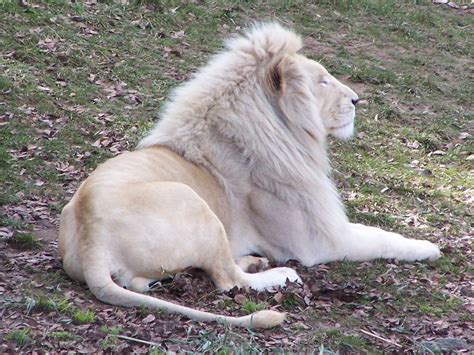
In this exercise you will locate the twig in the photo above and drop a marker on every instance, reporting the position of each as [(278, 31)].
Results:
[(137, 340), (380, 338), (364, 44)]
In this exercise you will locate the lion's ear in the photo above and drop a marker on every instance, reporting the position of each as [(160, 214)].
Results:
[(275, 78), (282, 75)]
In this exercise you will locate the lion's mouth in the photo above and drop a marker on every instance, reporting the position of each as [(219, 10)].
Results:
[(345, 125)]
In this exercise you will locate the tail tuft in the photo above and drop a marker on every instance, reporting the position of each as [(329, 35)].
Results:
[(266, 319)]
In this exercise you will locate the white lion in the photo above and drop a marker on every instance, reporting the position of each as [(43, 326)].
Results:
[(236, 166)]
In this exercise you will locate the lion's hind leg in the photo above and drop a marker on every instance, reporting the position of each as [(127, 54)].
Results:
[(231, 274), (226, 274), (162, 243)]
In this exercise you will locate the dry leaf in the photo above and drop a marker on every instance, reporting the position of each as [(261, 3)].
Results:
[(178, 34), (149, 318), (61, 82), (239, 298), (39, 183), (48, 44), (279, 297), (44, 88), (453, 5)]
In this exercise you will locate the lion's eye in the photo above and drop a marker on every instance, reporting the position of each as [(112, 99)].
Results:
[(324, 82)]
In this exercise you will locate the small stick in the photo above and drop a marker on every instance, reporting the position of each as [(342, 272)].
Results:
[(380, 338), (364, 44), (137, 340)]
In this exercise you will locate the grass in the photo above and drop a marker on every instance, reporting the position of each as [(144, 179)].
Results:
[(226, 342), (347, 343), (24, 241), (361, 69), (64, 336), (63, 307), (289, 302), (250, 306), (83, 317), (144, 311), (74, 74), (20, 336), (40, 304), (111, 341), (113, 330)]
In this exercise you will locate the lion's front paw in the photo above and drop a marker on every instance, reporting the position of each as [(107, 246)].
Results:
[(422, 250), (288, 274), (278, 277)]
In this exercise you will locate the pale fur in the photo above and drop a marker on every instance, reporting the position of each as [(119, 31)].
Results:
[(237, 165)]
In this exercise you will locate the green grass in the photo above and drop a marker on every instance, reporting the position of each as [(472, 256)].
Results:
[(20, 336), (250, 306), (83, 317), (144, 311), (40, 304), (24, 241), (289, 302), (153, 78), (46, 303), (350, 343), (111, 341), (226, 342), (112, 330), (64, 336)]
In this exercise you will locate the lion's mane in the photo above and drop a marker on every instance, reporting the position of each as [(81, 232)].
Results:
[(244, 118)]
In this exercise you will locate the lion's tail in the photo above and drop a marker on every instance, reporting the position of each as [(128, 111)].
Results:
[(106, 290)]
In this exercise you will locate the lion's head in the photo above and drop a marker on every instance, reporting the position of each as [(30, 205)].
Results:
[(262, 105), (334, 101)]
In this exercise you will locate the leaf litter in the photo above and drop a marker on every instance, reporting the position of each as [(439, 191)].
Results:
[(391, 300)]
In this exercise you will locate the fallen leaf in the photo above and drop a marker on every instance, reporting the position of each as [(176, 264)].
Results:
[(279, 297), (48, 44), (44, 88), (453, 5), (178, 34), (149, 318), (5, 232), (425, 172), (97, 143), (61, 82), (36, 284), (240, 298), (413, 145), (39, 183)]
